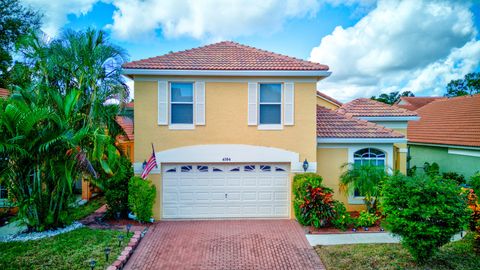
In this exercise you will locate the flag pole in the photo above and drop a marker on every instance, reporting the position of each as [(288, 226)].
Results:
[(153, 153)]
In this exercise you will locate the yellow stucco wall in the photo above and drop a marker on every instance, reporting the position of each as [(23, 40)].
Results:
[(226, 123), (325, 103), (329, 163)]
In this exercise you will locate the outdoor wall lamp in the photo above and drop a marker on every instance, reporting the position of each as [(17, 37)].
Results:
[(305, 165), (144, 164)]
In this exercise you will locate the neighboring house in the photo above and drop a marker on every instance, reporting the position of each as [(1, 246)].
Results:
[(327, 101), (231, 126), (385, 115), (126, 142), (448, 133), (414, 103)]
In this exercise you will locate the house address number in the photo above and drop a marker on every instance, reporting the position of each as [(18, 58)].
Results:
[(226, 159)]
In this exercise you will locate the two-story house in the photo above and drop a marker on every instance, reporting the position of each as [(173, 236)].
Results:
[(232, 124)]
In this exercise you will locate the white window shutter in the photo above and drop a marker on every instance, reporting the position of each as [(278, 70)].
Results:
[(162, 102), (200, 103), (288, 103), (252, 103)]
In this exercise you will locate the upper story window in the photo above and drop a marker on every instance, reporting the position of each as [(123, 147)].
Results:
[(270, 103), (181, 102), (369, 156)]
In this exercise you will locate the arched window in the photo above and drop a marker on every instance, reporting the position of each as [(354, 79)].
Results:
[(369, 156)]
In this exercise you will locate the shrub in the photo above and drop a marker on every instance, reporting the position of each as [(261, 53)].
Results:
[(431, 169), (116, 189), (475, 182), (141, 198), (342, 219), (459, 179), (425, 211), (313, 204), (366, 219)]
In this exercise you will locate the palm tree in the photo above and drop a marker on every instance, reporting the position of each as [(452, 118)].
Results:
[(53, 130), (364, 179)]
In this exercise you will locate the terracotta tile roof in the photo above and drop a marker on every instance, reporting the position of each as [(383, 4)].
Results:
[(127, 124), (4, 92), (329, 98), (226, 55), (130, 105), (371, 108), (414, 103), (332, 124), (453, 121)]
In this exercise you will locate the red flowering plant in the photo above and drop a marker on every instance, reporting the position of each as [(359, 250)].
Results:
[(314, 204)]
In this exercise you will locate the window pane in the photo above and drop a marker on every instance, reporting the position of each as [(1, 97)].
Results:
[(270, 92), (182, 114), (270, 114), (182, 92)]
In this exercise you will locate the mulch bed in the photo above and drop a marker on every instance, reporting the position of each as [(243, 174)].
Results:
[(97, 220), (331, 230)]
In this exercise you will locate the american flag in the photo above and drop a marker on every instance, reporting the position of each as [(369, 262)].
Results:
[(152, 163)]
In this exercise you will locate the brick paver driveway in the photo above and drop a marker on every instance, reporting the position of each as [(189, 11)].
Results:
[(225, 244)]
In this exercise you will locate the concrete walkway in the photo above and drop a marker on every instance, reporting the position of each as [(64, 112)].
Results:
[(358, 238)]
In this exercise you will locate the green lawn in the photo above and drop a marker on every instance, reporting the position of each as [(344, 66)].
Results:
[(86, 209), (455, 255), (72, 250)]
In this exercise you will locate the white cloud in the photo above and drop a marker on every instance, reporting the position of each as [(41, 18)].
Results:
[(400, 45), (207, 19), (55, 11)]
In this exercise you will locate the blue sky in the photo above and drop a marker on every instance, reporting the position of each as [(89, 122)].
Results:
[(371, 46)]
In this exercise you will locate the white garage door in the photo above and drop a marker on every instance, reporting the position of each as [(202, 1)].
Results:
[(225, 191)]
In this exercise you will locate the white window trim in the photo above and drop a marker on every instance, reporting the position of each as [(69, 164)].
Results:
[(180, 126), (261, 126)]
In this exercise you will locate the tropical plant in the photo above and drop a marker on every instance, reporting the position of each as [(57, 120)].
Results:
[(46, 154), (474, 182), (431, 170), (16, 21), (425, 211), (56, 130), (365, 179), (342, 219), (313, 204), (116, 188), (141, 198), (366, 219), (456, 177)]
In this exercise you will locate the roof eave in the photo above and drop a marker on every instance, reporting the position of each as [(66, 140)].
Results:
[(130, 72), (361, 140)]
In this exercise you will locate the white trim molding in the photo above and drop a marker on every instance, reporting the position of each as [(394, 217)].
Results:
[(389, 118), (462, 152), (186, 72), (361, 140), (445, 145), (229, 153)]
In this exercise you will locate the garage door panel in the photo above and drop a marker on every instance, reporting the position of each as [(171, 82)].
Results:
[(225, 191)]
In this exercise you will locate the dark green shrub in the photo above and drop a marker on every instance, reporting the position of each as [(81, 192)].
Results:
[(342, 219), (116, 189), (474, 183), (141, 198), (431, 169), (366, 219), (456, 177), (313, 204), (425, 211)]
